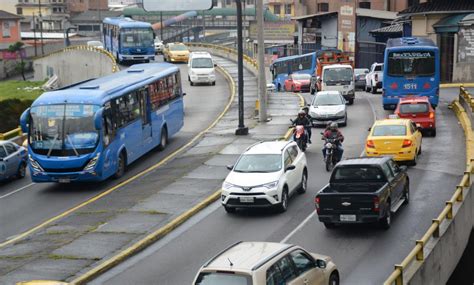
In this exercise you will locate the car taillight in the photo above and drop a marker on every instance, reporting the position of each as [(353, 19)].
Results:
[(432, 115), (426, 86), (406, 143), (394, 85), (376, 77), (317, 200), (376, 204), (370, 144)]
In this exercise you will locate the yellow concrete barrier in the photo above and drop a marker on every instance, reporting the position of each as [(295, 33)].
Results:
[(11, 134)]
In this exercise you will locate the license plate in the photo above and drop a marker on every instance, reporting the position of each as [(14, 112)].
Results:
[(347, 218), (246, 199), (64, 180)]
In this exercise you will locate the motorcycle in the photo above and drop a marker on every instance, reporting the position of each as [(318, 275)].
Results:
[(332, 156), (300, 137)]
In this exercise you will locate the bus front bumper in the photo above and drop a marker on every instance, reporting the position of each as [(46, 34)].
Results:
[(64, 177), (138, 57)]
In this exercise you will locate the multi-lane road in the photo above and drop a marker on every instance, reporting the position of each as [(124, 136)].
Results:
[(364, 254), (24, 204)]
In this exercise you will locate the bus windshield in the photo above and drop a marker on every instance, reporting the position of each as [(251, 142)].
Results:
[(337, 75), (411, 63), (63, 129), (136, 37)]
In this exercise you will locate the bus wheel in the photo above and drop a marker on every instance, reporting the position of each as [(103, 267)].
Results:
[(163, 139), (120, 166)]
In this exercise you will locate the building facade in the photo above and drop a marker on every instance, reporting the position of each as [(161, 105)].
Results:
[(50, 15), (10, 28), (79, 6), (318, 6)]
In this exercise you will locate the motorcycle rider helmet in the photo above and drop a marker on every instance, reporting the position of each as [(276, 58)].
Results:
[(305, 109), (333, 126), (301, 113)]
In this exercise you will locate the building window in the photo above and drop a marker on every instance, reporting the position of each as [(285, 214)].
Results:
[(277, 9), (288, 9), (323, 7), (365, 5), (19, 11), (6, 29)]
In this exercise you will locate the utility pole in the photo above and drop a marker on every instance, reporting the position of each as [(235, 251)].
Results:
[(34, 34), (241, 130), (262, 80), (41, 27), (161, 26)]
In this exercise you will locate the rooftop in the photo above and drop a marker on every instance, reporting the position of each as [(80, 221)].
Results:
[(440, 6), (4, 15)]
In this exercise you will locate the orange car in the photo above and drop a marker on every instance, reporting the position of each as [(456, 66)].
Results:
[(297, 82), (420, 111)]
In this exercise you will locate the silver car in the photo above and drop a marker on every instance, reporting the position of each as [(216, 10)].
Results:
[(328, 106), (12, 160)]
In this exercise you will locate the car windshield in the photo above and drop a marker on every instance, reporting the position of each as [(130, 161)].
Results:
[(178, 47), (389, 130), (221, 278), (3, 153), (136, 38), (327, 99), (359, 71), (414, 108), (301, 77), (337, 74), (411, 63), (258, 163), (355, 173), (202, 63), (63, 129)]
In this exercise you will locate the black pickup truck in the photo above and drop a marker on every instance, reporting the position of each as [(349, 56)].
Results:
[(363, 190)]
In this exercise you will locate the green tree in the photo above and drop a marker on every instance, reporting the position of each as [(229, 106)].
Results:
[(16, 48)]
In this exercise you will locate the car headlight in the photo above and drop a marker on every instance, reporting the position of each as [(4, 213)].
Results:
[(35, 165), (271, 185), (227, 185), (340, 113), (92, 163)]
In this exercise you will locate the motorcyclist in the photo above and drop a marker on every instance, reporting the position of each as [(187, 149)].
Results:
[(308, 128), (333, 132), (302, 120)]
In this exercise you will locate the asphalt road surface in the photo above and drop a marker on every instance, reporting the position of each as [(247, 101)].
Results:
[(24, 204), (363, 254)]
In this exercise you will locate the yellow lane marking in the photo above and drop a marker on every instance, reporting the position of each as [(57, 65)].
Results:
[(107, 192)]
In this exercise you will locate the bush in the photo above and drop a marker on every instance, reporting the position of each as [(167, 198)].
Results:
[(11, 110)]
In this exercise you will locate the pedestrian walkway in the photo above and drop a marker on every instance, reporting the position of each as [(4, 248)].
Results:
[(87, 237)]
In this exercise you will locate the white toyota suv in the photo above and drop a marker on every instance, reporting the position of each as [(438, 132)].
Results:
[(265, 175)]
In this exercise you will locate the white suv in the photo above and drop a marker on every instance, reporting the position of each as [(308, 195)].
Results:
[(201, 68), (265, 175), (254, 263)]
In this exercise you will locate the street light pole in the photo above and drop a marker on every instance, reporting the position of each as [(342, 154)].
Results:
[(41, 27), (241, 130), (262, 80)]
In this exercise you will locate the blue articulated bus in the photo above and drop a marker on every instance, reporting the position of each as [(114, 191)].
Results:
[(281, 67), (129, 40), (94, 129), (412, 68)]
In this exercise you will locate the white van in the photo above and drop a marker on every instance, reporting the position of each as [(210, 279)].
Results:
[(201, 68), (339, 77)]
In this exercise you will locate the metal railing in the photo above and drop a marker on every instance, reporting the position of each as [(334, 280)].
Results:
[(247, 58), (417, 254), (11, 134)]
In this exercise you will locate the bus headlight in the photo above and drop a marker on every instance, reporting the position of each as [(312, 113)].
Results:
[(92, 163), (35, 165)]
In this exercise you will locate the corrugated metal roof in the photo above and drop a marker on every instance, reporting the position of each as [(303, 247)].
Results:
[(305, 17), (378, 14), (4, 15), (440, 6), (449, 24), (396, 28)]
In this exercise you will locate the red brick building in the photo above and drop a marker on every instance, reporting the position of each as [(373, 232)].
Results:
[(10, 28)]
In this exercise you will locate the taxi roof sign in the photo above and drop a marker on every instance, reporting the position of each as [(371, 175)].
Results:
[(176, 5)]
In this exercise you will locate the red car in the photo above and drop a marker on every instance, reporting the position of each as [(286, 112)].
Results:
[(298, 82), (420, 111)]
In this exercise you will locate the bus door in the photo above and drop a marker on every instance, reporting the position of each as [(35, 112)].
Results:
[(145, 115)]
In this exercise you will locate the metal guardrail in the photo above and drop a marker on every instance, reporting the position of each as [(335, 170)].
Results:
[(418, 252), (247, 58), (11, 134)]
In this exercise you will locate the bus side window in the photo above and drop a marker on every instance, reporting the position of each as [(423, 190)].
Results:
[(109, 130)]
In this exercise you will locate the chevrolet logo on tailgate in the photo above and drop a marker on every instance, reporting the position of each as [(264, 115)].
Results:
[(346, 204)]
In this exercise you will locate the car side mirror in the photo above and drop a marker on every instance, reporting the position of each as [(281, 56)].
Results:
[(403, 168), (321, 263), (290, 167), (215, 64), (230, 167), (184, 93), (369, 129)]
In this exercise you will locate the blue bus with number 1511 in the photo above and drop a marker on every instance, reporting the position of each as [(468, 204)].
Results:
[(412, 68), (94, 129)]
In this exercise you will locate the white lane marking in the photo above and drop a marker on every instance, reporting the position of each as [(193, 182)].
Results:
[(301, 225), (17, 190), (305, 221)]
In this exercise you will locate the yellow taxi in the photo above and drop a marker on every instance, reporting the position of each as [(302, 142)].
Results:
[(176, 52), (399, 138)]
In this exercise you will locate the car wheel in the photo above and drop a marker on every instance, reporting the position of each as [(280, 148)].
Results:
[(419, 150), (415, 159), (213, 83), (21, 171), (433, 133), (329, 226), (351, 101), (367, 89), (345, 122), (304, 182), (373, 89), (312, 91), (229, 210), (163, 139), (191, 83), (334, 279), (120, 166), (283, 206), (386, 221), (406, 193)]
